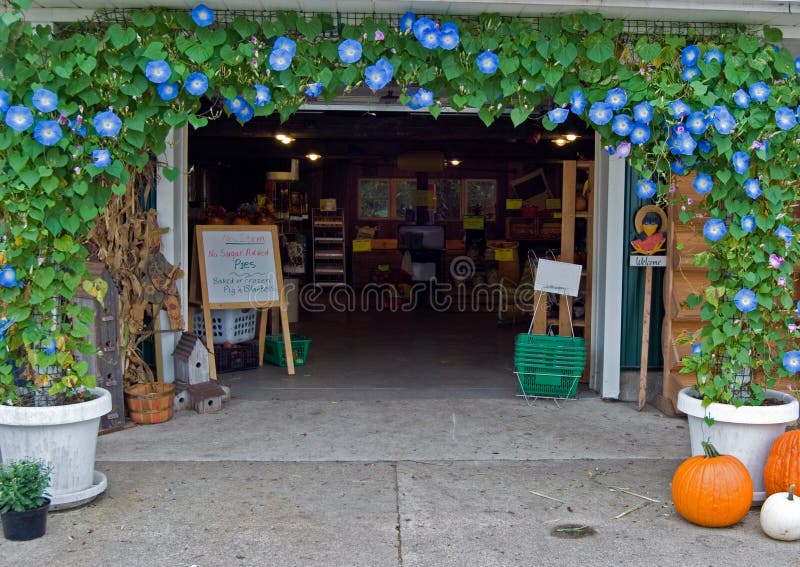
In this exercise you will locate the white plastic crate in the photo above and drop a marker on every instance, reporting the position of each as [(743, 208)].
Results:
[(227, 325)]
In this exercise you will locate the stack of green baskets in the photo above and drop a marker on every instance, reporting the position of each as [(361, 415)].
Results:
[(549, 366)]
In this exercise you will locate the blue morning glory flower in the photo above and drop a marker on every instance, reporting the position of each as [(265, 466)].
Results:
[(107, 124), (263, 95), (44, 100), (235, 104), (50, 346), (3, 101), (697, 349), (696, 123), (616, 98), (349, 51), (407, 21), (623, 150), (645, 188), (748, 223), (741, 98), (577, 102), (797, 64), (558, 115), (314, 90), (741, 162), (285, 44), (643, 112), (753, 188), (678, 167), (449, 37), (690, 55), (196, 84), (759, 91), (245, 111), (425, 97), (47, 132), (610, 150), (79, 130), (723, 120), (714, 55), (168, 91), (714, 229), (157, 71), (600, 113), (703, 183), (690, 73), (19, 118), (101, 158), (791, 361), (487, 62), (202, 15), (431, 38), (421, 27), (705, 146), (280, 59), (640, 133), (683, 144), (378, 76), (745, 300), (679, 109), (785, 118), (622, 125), (784, 232)]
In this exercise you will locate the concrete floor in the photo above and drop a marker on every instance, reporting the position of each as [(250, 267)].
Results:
[(378, 457)]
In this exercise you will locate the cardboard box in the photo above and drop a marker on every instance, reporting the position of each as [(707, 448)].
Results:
[(327, 204)]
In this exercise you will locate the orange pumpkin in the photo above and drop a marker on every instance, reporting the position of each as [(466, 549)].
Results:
[(712, 490), (783, 463)]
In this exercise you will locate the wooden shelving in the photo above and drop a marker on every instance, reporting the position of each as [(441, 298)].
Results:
[(329, 247), (576, 247)]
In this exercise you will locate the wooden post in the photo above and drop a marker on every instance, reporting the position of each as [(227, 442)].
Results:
[(648, 295)]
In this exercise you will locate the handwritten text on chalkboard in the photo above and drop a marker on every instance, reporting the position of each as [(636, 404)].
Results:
[(240, 267)]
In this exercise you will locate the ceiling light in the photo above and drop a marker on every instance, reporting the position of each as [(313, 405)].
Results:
[(455, 162), (284, 139), (571, 137), (313, 156), (560, 141)]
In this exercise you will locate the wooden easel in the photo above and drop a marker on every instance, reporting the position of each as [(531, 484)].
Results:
[(248, 258)]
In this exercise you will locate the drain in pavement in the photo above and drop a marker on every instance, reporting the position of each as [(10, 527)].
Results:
[(572, 531)]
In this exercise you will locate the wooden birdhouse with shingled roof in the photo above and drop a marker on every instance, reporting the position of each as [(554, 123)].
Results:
[(191, 360)]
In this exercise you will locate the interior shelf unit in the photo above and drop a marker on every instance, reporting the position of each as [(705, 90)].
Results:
[(327, 228), (576, 247)]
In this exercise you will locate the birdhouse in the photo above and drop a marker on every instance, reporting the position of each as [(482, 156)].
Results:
[(191, 360)]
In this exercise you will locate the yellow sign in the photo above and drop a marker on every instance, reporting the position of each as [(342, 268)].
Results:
[(473, 223), (362, 245), (513, 204), (504, 254)]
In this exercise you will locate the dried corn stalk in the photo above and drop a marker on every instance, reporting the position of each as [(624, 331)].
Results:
[(121, 242)]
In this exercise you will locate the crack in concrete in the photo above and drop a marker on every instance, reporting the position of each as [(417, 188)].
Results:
[(397, 506)]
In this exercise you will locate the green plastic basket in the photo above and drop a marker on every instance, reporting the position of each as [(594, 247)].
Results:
[(548, 381), (274, 352)]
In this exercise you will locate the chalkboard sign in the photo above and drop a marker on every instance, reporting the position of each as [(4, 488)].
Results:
[(240, 267)]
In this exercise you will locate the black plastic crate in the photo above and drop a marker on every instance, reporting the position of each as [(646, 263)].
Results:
[(242, 356)]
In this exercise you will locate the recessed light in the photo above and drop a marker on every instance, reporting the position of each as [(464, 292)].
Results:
[(455, 162), (284, 139), (571, 137), (313, 156), (560, 141)]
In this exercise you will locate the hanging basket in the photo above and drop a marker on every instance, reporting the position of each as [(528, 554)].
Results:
[(150, 403)]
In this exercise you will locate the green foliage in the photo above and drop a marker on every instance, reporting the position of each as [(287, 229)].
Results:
[(51, 196), (23, 485)]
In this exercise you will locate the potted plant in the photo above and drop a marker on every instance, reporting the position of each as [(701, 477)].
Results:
[(24, 499)]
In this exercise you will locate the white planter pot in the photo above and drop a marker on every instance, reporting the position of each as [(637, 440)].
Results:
[(65, 437), (745, 432)]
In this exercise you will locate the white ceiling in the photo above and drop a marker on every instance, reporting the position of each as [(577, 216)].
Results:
[(780, 13)]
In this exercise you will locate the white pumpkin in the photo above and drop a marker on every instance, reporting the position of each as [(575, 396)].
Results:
[(780, 516)]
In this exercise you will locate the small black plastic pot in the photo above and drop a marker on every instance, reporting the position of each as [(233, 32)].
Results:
[(26, 525)]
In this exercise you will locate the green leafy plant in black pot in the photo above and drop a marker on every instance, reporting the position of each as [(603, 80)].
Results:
[(24, 499)]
